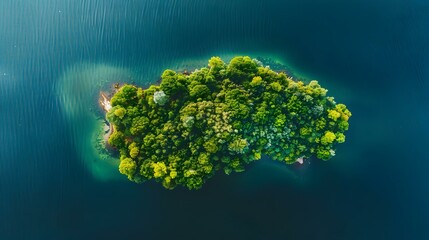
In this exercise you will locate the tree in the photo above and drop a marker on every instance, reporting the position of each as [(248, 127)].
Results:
[(238, 145), (171, 84), (159, 169), (217, 67), (120, 112), (139, 124), (160, 98), (200, 91), (221, 118), (127, 167), (242, 69), (328, 138), (127, 95), (116, 139), (134, 150)]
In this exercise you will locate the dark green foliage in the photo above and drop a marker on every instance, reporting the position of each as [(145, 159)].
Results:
[(242, 69), (199, 91), (173, 84), (126, 97), (117, 139), (221, 117)]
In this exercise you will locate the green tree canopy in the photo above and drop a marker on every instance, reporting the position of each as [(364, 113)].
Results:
[(221, 118)]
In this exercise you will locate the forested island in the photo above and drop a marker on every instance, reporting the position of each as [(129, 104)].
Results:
[(221, 117)]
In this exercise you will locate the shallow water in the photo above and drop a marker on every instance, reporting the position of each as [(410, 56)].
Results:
[(56, 55)]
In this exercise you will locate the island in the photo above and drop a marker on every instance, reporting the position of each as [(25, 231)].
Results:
[(222, 117)]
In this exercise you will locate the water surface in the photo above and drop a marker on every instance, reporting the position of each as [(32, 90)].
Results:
[(55, 55)]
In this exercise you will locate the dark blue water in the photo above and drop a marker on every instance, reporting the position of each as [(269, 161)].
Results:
[(371, 55)]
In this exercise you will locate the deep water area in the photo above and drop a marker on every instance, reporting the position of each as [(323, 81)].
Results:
[(57, 55)]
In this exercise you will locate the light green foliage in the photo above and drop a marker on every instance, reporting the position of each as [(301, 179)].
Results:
[(305, 131), (127, 167), (159, 169), (238, 145), (276, 86), (199, 91), (188, 121), (217, 66), (280, 121), (172, 84), (221, 117), (116, 139), (134, 150), (345, 113), (323, 154), (256, 81), (320, 124), (120, 112), (139, 124), (334, 115), (343, 125), (242, 69), (211, 146), (127, 96), (340, 137), (328, 138)]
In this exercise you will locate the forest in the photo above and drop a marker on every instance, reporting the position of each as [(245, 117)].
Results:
[(221, 117)]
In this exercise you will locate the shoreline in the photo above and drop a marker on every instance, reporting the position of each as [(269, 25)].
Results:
[(108, 127)]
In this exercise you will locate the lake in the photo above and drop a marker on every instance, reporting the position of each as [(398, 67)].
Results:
[(55, 57)]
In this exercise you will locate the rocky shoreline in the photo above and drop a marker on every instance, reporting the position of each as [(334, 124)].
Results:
[(108, 127)]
